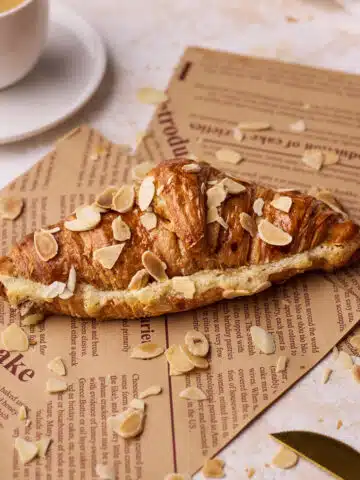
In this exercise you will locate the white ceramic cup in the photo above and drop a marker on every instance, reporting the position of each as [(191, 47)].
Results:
[(23, 32)]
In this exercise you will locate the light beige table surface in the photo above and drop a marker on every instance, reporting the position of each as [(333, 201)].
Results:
[(144, 40)]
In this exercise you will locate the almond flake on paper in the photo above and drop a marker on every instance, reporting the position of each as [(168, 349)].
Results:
[(198, 362), (273, 235), (313, 159), (326, 375), (124, 199), (248, 224), (197, 343), (258, 206), (339, 424), (151, 96), (55, 385), (356, 373), (228, 156), (262, 340), (146, 351), (127, 424), (45, 245), (10, 207), (238, 135), (355, 342), (140, 171), (43, 445), (56, 365), (32, 319), (285, 459), (213, 468), (178, 360), (22, 413), (177, 476), (250, 472), (282, 203), (27, 450), (331, 158), (281, 364), (344, 361), (253, 126), (137, 404), (192, 393), (104, 472), (297, 127), (150, 391), (183, 285), (14, 338), (154, 266), (148, 220)]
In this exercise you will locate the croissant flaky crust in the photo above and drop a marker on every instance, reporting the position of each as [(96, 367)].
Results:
[(188, 235)]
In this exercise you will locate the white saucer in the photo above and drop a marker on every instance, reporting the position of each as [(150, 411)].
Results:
[(68, 73)]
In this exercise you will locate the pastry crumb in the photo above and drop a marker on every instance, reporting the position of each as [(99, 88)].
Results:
[(339, 424)]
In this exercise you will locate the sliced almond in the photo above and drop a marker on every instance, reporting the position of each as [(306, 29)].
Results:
[(232, 187), (33, 319), (10, 207), (313, 159), (173, 372), (192, 393), (22, 414), (215, 196), (282, 203), (121, 230), (55, 385), (230, 294), (253, 126), (154, 266), (146, 351), (43, 445), (330, 158), (105, 198), (356, 373), (212, 215), (150, 391), (238, 135), (71, 283), (262, 340), (148, 220), (197, 343), (57, 366), (192, 168), (66, 294), (160, 190), (285, 458), (140, 171), (213, 468), (87, 218), (258, 206), (222, 222), (14, 339), (129, 424), (297, 127), (281, 364), (104, 472), (335, 353), (137, 404), (184, 286), (344, 361), (273, 235), (146, 193), (54, 290), (178, 359), (326, 375), (45, 245), (123, 200), (228, 156), (328, 198), (27, 450), (198, 362), (108, 256), (51, 230), (151, 96), (139, 280), (248, 223), (355, 342), (177, 476)]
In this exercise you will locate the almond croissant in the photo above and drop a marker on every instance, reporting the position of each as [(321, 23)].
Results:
[(184, 235)]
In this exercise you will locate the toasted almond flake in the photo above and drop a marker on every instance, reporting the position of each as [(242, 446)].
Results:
[(283, 190), (150, 391), (104, 472), (177, 476), (26, 450), (129, 424), (174, 373), (213, 468), (71, 283), (335, 353), (232, 187), (258, 206), (328, 198), (230, 294), (57, 366), (123, 200), (151, 96), (344, 361), (248, 223), (121, 230), (273, 235), (51, 230), (146, 351), (22, 414), (215, 196), (184, 286), (43, 445), (192, 156), (139, 137), (262, 340), (160, 190), (55, 385), (212, 215), (197, 343), (108, 256), (297, 127), (203, 188), (66, 294), (139, 280), (154, 266), (198, 362), (250, 472), (238, 135), (355, 342), (169, 179), (192, 393), (54, 290), (98, 209), (281, 364), (228, 156), (45, 245), (87, 218), (33, 319), (10, 207), (140, 171), (285, 459), (253, 126), (313, 159), (222, 222), (148, 220), (330, 158), (339, 424), (14, 339), (282, 203), (146, 193), (326, 375), (105, 198), (137, 404), (212, 182), (192, 168), (178, 359)]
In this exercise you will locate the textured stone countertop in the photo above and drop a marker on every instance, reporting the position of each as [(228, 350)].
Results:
[(144, 40)]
